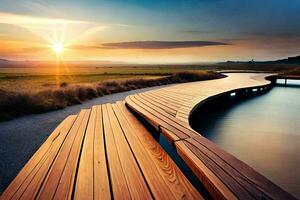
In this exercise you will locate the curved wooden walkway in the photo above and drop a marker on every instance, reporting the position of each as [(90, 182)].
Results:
[(106, 152), (224, 176), (101, 153)]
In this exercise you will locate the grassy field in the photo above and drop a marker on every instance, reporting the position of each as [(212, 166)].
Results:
[(33, 93), (33, 83), (36, 79), (25, 90), (41, 77)]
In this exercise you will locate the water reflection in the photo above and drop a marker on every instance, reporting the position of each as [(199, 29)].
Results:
[(263, 131)]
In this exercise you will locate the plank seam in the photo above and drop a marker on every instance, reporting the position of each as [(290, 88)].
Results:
[(117, 151), (106, 156), (79, 156)]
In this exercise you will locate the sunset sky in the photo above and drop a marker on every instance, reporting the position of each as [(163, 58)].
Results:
[(156, 31)]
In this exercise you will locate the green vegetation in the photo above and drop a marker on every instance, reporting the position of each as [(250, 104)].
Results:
[(16, 103), (34, 79), (293, 72), (277, 68), (37, 89), (43, 82), (40, 78)]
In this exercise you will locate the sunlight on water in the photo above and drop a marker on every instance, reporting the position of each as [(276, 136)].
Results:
[(263, 131)]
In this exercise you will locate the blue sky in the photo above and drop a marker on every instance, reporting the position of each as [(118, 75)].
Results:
[(265, 29)]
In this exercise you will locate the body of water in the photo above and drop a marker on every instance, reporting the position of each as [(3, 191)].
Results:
[(263, 131)]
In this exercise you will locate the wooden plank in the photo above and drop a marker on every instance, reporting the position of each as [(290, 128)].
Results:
[(235, 171), (101, 179), (182, 118), (183, 115), (60, 180), (162, 101), (118, 180), (171, 100), (92, 176), (213, 184), (185, 109), (38, 178), (168, 103), (255, 183), (161, 105), (164, 178), (168, 119), (231, 178), (174, 95), (127, 179), (33, 173), (160, 113), (175, 90), (162, 120), (85, 174)]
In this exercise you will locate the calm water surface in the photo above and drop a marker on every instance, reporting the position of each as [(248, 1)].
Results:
[(263, 131)]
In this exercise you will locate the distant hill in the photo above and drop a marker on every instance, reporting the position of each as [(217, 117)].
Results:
[(8, 63), (289, 60), (3, 60)]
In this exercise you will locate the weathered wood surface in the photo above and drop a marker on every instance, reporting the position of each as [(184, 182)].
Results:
[(224, 176), (102, 153)]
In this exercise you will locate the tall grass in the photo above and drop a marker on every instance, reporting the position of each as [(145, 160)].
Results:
[(292, 72), (13, 104)]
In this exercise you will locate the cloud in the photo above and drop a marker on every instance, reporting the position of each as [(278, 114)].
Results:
[(36, 22), (53, 29), (196, 32), (25, 20), (160, 44)]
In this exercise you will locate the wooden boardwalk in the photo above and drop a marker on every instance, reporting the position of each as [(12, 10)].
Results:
[(105, 152), (101, 153), (224, 176)]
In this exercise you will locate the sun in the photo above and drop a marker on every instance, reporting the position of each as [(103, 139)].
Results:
[(58, 47)]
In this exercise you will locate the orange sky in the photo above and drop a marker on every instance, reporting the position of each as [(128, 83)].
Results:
[(28, 30)]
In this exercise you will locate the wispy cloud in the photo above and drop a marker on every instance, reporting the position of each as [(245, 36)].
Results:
[(195, 31), (24, 20), (160, 44), (53, 29)]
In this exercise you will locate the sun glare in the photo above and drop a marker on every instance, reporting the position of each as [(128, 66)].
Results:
[(58, 47)]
